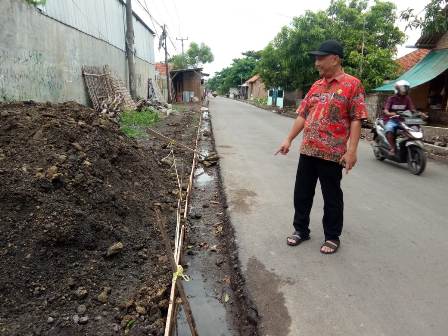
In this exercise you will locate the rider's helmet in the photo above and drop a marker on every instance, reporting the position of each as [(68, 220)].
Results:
[(402, 87)]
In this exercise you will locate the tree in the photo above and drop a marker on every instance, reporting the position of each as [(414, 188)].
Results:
[(199, 54), (434, 21), (236, 74), (195, 56), (179, 62), (369, 36)]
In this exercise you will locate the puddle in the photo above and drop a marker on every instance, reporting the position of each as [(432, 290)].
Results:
[(209, 313), (201, 178)]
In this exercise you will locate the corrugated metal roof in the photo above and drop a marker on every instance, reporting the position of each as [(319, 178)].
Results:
[(103, 19), (428, 68)]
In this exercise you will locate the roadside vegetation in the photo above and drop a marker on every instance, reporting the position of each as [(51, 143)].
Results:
[(133, 123), (369, 34)]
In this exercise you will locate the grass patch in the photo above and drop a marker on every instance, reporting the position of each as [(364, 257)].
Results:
[(181, 107), (133, 123)]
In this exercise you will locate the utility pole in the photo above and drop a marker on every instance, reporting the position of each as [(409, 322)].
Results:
[(164, 35), (182, 39), (130, 48), (362, 48)]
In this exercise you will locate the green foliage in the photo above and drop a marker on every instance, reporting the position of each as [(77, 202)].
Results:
[(236, 74), (369, 37), (133, 123), (36, 2), (434, 21), (199, 54), (195, 56), (261, 101), (179, 62)]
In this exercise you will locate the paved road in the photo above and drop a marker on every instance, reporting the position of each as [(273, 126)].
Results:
[(390, 277)]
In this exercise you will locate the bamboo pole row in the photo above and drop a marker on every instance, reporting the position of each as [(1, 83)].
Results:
[(193, 166), (174, 267), (179, 238)]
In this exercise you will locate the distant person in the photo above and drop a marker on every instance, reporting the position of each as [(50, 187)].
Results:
[(399, 102), (330, 115)]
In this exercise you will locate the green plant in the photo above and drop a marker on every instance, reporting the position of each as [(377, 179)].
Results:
[(181, 108), (368, 33), (434, 19), (261, 101), (133, 123), (195, 56), (36, 2), (238, 72)]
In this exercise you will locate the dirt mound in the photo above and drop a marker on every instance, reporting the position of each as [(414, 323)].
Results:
[(79, 250)]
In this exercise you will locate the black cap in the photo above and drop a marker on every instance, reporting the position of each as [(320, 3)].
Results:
[(330, 47)]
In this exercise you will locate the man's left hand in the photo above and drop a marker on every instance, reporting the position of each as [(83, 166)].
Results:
[(348, 160)]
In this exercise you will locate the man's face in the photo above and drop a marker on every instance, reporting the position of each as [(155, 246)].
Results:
[(402, 90), (326, 64)]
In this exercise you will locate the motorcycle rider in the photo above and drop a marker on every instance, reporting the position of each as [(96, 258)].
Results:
[(396, 103)]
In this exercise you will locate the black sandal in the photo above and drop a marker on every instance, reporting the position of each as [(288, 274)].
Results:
[(332, 244), (295, 239)]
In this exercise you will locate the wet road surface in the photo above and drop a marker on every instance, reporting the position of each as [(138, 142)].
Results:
[(390, 276)]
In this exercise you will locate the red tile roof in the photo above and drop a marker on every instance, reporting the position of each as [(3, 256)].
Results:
[(408, 61), (253, 79)]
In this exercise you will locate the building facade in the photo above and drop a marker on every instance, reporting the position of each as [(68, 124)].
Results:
[(43, 48)]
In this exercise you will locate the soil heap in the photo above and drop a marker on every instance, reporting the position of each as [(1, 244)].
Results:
[(80, 253)]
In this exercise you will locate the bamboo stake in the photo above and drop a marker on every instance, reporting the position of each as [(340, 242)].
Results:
[(169, 140), (188, 313), (172, 308), (190, 182)]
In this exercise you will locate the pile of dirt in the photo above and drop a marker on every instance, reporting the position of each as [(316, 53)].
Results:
[(80, 253)]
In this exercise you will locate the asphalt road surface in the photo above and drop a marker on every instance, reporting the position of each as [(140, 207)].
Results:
[(390, 276)]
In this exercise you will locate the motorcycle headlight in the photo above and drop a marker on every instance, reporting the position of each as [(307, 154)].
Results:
[(416, 135)]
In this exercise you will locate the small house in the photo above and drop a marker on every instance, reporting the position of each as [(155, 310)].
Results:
[(255, 88), (187, 84)]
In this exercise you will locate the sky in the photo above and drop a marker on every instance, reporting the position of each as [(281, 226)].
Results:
[(233, 26)]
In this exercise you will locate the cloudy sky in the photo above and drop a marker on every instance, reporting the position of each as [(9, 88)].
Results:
[(233, 26)]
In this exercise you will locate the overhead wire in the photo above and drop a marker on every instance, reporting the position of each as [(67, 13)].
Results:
[(146, 9), (177, 14)]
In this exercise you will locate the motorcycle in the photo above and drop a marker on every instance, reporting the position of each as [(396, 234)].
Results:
[(408, 141)]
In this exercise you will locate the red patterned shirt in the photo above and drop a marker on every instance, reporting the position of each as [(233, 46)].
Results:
[(328, 109)]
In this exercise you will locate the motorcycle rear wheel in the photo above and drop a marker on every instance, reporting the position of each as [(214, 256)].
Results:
[(416, 160)]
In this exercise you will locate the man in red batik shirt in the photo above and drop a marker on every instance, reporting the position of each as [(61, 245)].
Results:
[(330, 116)]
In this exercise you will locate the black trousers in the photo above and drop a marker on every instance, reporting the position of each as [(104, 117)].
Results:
[(329, 174)]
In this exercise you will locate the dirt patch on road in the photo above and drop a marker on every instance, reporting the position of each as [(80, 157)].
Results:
[(243, 200), (266, 286), (80, 253)]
